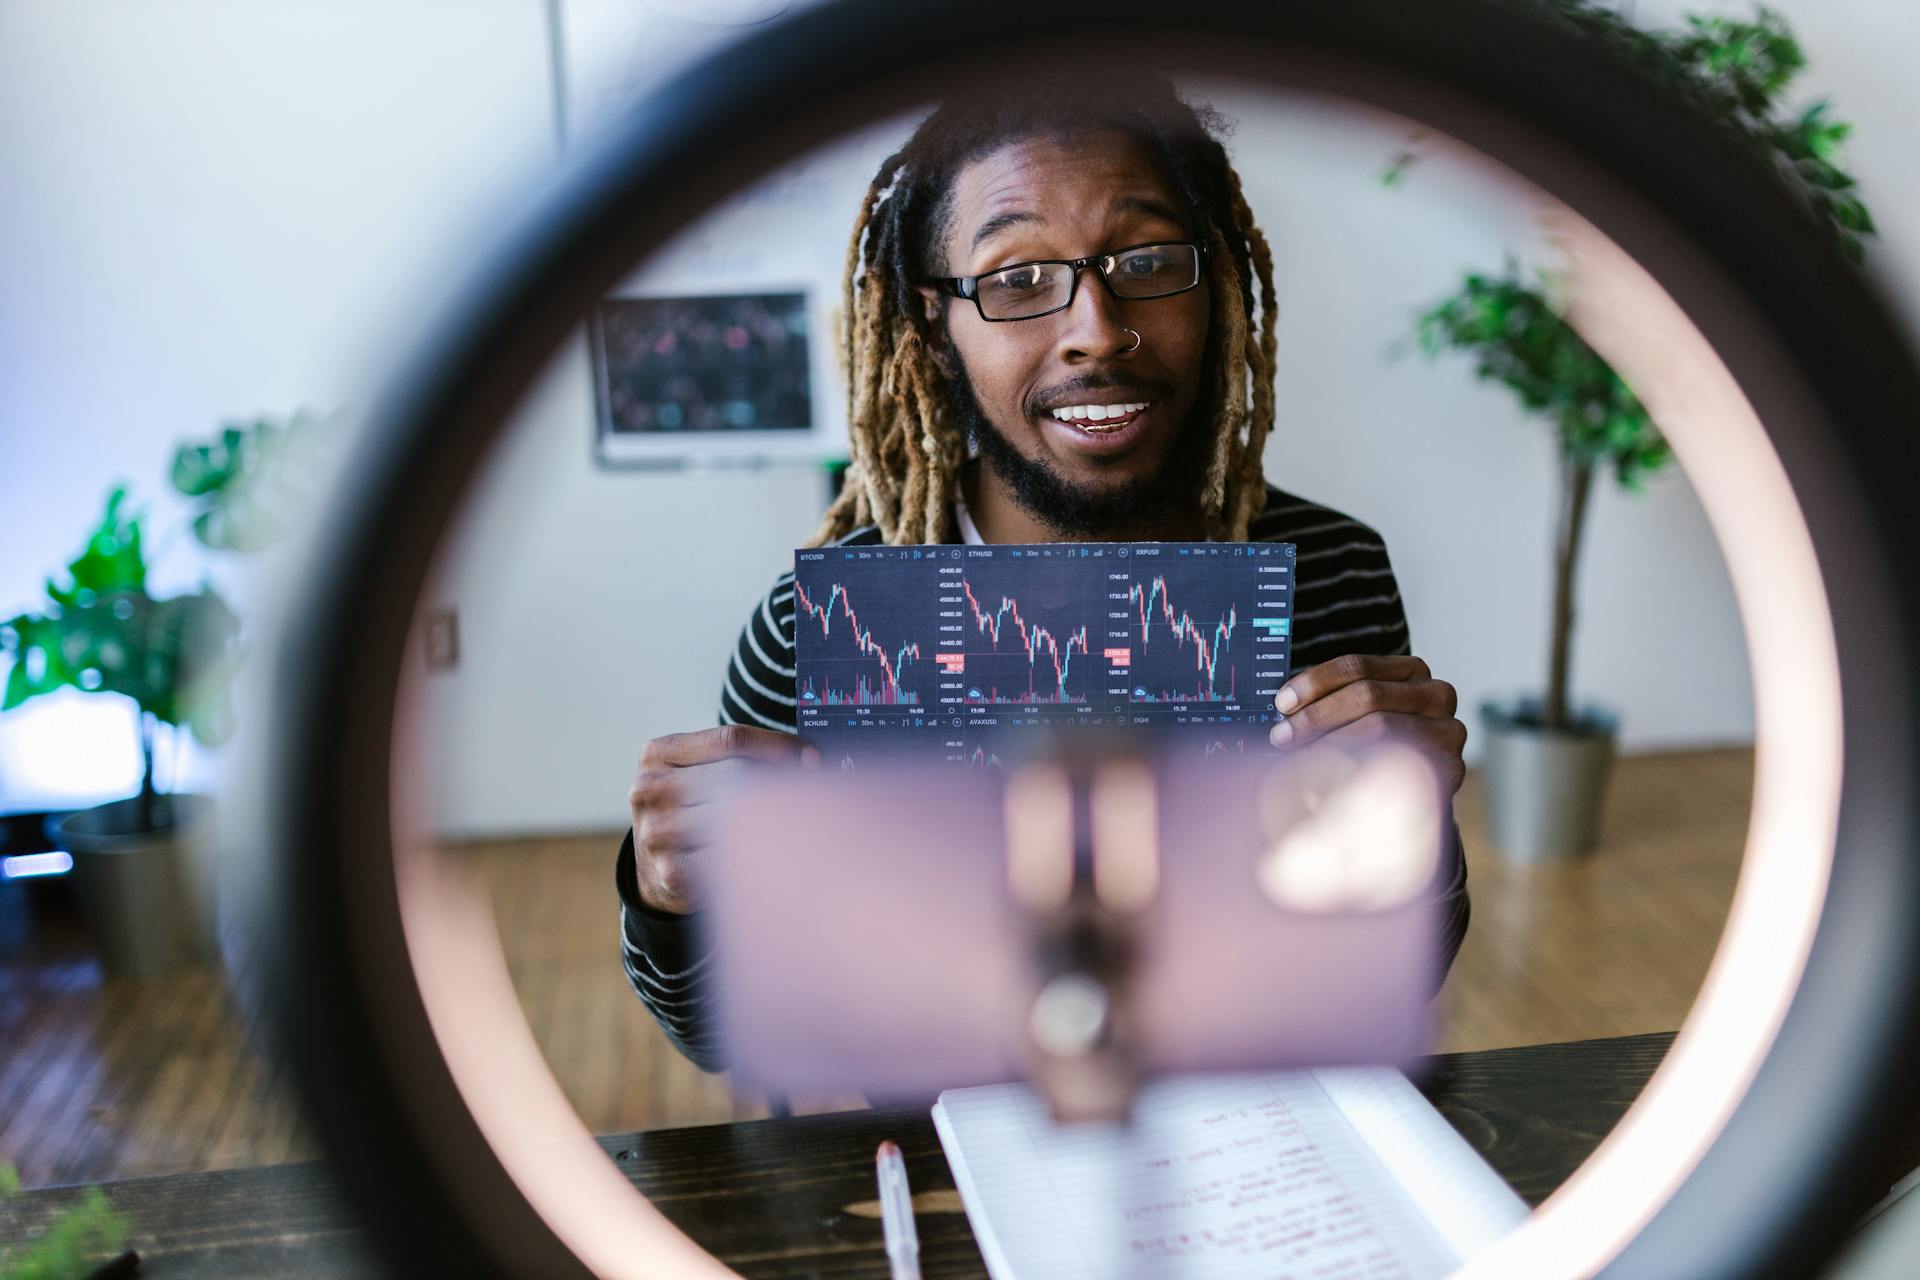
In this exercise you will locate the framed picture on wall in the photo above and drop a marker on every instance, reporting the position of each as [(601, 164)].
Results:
[(724, 377)]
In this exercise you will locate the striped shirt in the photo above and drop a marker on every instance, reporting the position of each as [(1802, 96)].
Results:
[(1345, 601)]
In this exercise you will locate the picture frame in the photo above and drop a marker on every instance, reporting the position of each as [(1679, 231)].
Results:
[(710, 378)]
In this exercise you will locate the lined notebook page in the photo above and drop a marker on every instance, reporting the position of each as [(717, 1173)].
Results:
[(1454, 1189), (1221, 1177)]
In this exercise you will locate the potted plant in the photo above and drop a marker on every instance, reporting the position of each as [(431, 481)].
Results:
[(74, 1243), (1547, 759), (102, 631)]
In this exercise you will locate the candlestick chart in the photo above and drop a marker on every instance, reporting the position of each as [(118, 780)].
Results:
[(865, 654), (1031, 632), (983, 654), (1192, 639)]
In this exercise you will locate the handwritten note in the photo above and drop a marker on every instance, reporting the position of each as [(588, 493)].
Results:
[(1218, 1177)]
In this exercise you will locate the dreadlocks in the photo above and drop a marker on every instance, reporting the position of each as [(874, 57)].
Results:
[(905, 453)]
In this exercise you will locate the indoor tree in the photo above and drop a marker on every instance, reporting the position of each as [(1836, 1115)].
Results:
[(1737, 72)]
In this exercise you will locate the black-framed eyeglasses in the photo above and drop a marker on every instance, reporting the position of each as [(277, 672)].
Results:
[(1029, 290)]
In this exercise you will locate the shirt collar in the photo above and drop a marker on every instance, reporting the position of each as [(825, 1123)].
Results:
[(969, 532)]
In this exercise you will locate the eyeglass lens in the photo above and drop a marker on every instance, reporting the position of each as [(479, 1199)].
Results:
[(1034, 288)]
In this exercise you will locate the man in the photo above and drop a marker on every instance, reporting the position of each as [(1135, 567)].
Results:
[(1051, 335)]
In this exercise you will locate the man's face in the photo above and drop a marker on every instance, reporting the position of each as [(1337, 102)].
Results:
[(1046, 199)]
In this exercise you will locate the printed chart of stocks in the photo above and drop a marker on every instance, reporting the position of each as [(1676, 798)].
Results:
[(978, 654)]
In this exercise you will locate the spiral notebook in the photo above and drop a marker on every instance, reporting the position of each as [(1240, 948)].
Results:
[(1345, 1173)]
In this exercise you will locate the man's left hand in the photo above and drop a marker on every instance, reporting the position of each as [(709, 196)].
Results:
[(1362, 698)]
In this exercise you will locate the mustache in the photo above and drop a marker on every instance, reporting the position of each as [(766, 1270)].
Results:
[(1127, 386)]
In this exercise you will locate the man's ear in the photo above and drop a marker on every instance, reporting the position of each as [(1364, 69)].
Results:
[(934, 304)]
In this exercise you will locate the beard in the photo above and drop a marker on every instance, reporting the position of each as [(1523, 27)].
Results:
[(1164, 498)]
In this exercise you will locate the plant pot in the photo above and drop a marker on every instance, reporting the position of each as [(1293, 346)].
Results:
[(1544, 787), (145, 893)]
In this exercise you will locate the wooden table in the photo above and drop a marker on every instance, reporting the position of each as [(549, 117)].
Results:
[(788, 1197)]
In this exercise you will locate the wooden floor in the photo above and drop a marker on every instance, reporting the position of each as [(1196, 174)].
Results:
[(1614, 944), (106, 1079)]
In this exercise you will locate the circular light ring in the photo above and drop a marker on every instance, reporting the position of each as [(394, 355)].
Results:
[(1804, 339)]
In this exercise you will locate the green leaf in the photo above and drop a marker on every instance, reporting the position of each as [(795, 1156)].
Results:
[(1852, 215), (1515, 337), (244, 480), (174, 658), (18, 690), (1825, 176), (198, 469), (110, 561), (206, 528)]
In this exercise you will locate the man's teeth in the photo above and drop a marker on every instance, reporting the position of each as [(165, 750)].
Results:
[(1097, 412)]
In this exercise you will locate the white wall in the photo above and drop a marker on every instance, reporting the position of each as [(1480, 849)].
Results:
[(245, 204), (593, 605), (213, 208)]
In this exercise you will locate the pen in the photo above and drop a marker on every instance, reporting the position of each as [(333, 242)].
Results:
[(896, 1213)]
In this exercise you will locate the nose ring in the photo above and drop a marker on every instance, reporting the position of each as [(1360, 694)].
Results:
[(1136, 343)]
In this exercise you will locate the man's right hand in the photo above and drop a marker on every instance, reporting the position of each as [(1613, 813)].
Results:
[(681, 772)]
